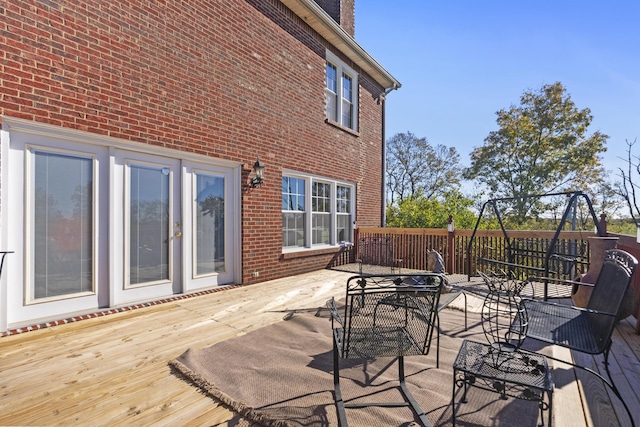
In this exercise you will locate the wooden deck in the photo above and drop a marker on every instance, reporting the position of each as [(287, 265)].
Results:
[(113, 370)]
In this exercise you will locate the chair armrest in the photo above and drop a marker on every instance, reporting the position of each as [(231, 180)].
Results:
[(556, 280), (448, 298), (334, 312), (570, 307)]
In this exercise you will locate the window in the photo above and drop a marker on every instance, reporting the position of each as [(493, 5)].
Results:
[(293, 212), (209, 224), (325, 218), (321, 212), (343, 212), (341, 93), (61, 196), (149, 224)]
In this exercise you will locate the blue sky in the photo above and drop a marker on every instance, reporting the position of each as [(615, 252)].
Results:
[(461, 61)]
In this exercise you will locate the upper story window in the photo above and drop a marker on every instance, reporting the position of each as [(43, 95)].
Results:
[(315, 211), (341, 93)]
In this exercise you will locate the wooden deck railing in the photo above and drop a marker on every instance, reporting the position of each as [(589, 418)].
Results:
[(411, 245)]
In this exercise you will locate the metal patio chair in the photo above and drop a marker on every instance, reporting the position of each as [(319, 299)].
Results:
[(587, 330), (375, 255), (384, 316)]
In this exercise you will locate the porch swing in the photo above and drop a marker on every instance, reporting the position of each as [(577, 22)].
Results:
[(525, 257)]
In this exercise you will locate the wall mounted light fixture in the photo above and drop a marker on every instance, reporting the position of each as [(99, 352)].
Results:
[(258, 174)]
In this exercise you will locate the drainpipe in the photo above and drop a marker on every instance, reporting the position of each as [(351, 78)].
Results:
[(383, 190), (383, 215)]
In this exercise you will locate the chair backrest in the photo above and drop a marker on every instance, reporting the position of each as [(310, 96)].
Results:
[(609, 291), (375, 250), (390, 315)]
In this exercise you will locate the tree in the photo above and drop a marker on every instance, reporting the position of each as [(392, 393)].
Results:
[(415, 167), (423, 212), (629, 187), (541, 147)]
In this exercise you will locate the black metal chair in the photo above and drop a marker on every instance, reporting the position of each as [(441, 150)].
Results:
[(374, 252), (587, 330), (384, 316)]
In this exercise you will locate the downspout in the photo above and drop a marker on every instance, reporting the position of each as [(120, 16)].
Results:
[(383, 190), (383, 205)]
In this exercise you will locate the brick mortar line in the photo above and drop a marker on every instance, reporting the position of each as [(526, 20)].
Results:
[(109, 311)]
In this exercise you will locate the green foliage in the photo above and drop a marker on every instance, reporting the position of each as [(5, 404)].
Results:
[(542, 147), (622, 226), (425, 212)]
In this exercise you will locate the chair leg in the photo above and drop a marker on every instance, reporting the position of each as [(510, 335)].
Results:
[(465, 311), (409, 397), (340, 410), (608, 382), (550, 415), (437, 340), (613, 387), (453, 400)]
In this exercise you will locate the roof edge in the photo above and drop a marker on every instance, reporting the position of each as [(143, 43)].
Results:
[(325, 25)]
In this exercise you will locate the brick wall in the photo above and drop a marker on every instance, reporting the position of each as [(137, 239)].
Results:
[(231, 80)]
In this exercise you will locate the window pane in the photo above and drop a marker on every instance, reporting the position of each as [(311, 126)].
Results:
[(292, 194), (321, 224), (149, 224), (332, 78), (346, 88), (293, 229), (321, 194), (347, 114), (332, 92), (347, 101), (293, 216), (332, 105), (344, 228), (343, 198), (62, 225), (343, 209), (209, 224)]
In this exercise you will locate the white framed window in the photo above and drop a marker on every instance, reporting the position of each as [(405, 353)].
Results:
[(341, 93), (343, 213), (60, 203), (293, 212), (320, 213), (315, 211)]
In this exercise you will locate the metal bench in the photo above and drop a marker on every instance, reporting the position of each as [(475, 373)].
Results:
[(587, 330)]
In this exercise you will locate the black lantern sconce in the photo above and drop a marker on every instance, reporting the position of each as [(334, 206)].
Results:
[(258, 174)]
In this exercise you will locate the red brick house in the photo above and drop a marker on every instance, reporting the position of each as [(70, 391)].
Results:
[(129, 134)]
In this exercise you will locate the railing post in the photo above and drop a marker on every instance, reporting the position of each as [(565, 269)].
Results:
[(451, 250), (603, 224), (356, 245)]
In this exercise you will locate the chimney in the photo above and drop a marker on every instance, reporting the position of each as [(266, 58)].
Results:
[(342, 11)]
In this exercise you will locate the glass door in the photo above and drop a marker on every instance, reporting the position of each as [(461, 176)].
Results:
[(151, 226), (209, 243), (149, 223)]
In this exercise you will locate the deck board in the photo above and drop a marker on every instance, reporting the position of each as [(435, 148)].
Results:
[(112, 370)]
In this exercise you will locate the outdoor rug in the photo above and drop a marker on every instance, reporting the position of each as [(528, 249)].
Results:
[(281, 375)]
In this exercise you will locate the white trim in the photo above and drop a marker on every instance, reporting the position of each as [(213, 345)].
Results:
[(308, 179), (13, 124), (342, 68), (327, 27), (29, 174)]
